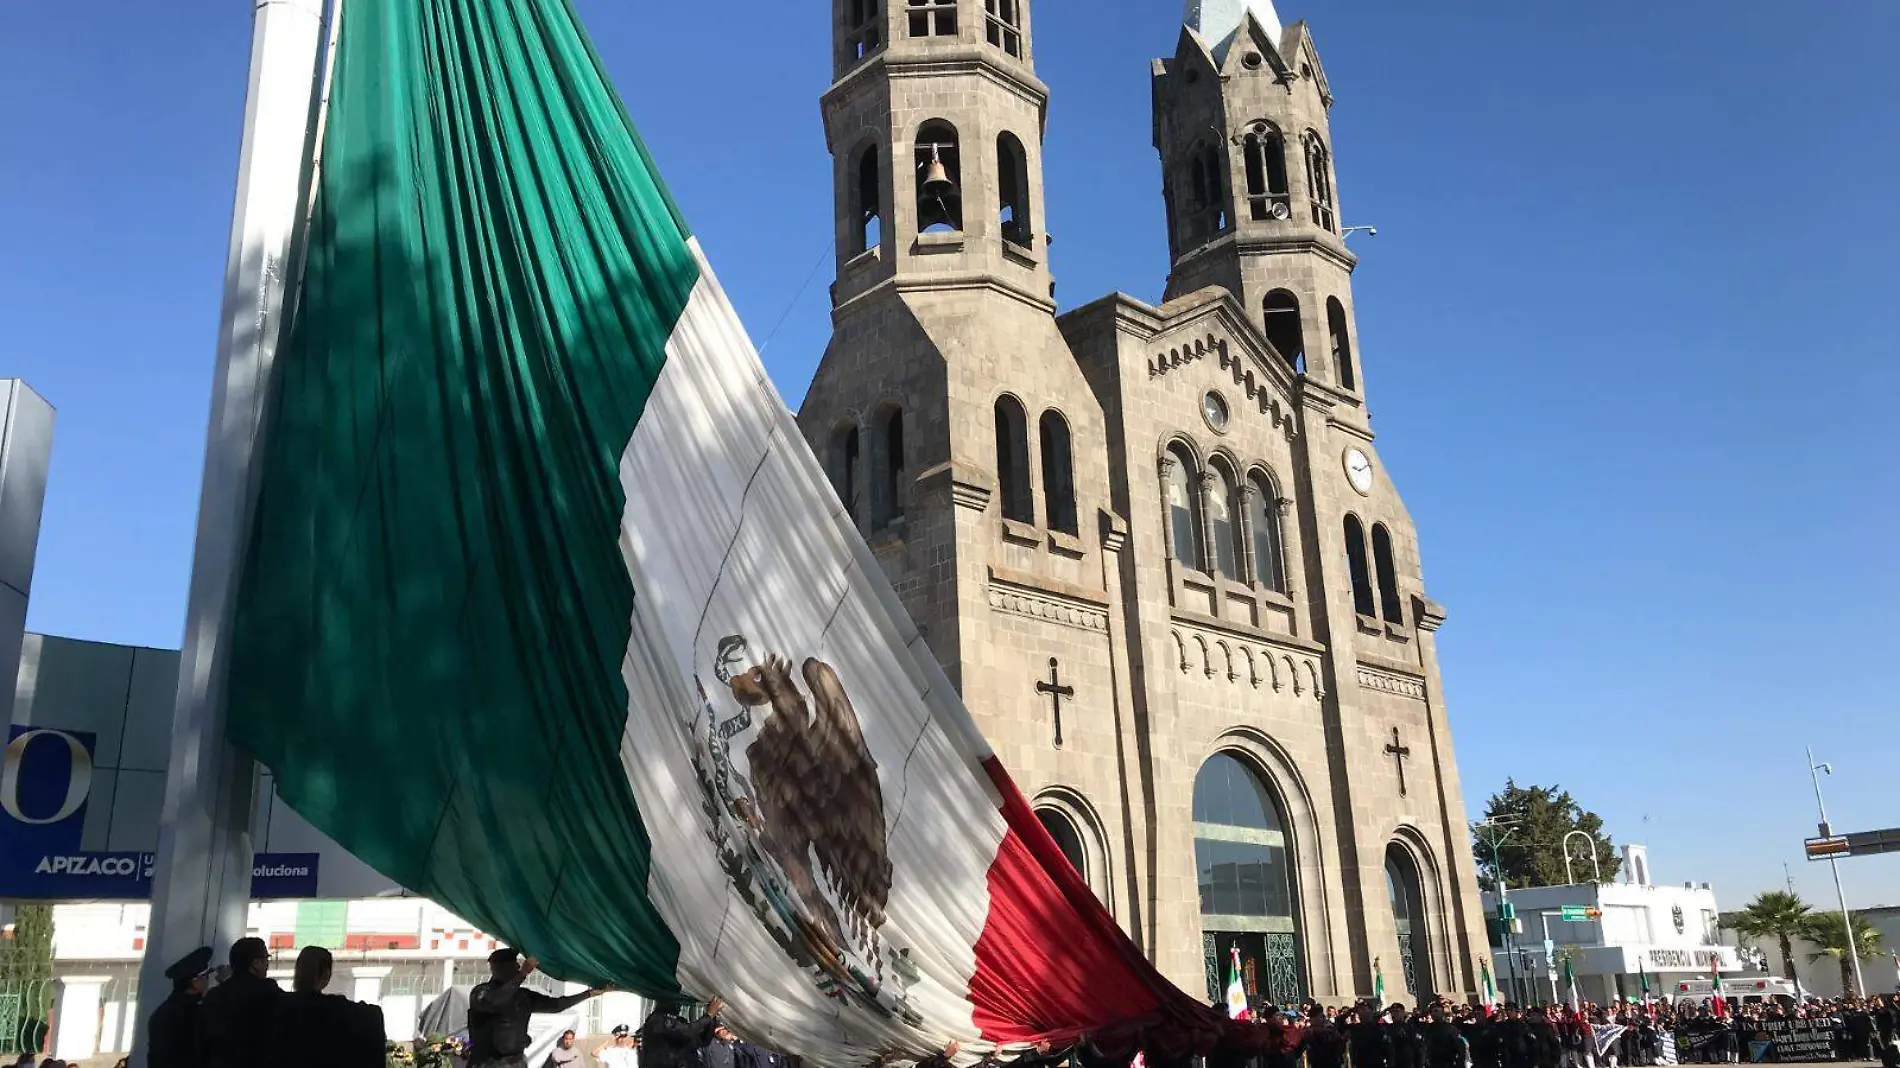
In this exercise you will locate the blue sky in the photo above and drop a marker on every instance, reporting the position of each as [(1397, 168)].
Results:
[(1627, 333)]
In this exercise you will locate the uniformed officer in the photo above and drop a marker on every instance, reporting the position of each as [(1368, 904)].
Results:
[(174, 1034)]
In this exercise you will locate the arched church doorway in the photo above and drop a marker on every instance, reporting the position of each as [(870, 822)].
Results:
[(1244, 858), (1408, 913)]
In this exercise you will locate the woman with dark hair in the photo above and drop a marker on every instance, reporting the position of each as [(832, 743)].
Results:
[(322, 1030)]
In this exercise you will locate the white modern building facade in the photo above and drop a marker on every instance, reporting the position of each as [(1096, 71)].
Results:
[(1668, 933)]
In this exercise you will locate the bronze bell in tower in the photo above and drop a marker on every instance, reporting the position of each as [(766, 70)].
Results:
[(937, 184)]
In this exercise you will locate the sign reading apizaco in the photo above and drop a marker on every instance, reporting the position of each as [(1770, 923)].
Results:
[(46, 787)]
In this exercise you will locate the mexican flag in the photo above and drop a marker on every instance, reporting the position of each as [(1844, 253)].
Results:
[(1570, 980), (1720, 1002), (1378, 985), (1236, 990), (1490, 991), (549, 614), (1642, 976)]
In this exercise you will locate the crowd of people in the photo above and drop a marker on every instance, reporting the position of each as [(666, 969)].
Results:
[(1624, 1034)]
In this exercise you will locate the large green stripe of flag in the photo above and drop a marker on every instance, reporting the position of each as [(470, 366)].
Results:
[(432, 585)]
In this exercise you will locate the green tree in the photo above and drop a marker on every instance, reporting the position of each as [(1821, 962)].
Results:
[(1532, 852), (1829, 936), (26, 973), (1777, 914)]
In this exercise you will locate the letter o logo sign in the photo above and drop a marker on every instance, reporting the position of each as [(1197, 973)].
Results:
[(78, 785)]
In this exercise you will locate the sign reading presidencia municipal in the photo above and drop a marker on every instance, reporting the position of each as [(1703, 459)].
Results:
[(46, 785)]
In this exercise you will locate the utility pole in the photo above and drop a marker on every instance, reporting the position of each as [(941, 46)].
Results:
[(1847, 918), (1500, 830)]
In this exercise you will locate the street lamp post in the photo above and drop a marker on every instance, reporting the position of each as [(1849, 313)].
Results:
[(1851, 947), (1499, 829)]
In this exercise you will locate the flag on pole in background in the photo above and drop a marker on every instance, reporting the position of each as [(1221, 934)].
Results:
[(1570, 980), (549, 614), (1720, 1002), (1378, 985), (1236, 990), (1490, 991), (1642, 976)]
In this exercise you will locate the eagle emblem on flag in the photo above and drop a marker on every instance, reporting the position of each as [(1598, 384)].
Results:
[(800, 828)]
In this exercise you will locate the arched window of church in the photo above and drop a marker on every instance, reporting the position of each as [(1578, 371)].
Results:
[(1206, 213), (1406, 893), (1244, 858), (933, 18), (1012, 460), (844, 466), (1005, 25), (1263, 517), (887, 502), (1319, 182), (1342, 344), (939, 178), (1184, 509), (1390, 608), (1068, 838), (1223, 521), (867, 201), (1266, 173), (1058, 473), (1281, 315), (864, 26), (1362, 601), (1012, 184)]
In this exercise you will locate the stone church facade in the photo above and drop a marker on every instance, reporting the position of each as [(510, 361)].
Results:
[(1155, 547)]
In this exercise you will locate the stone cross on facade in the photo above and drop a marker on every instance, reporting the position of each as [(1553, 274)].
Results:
[(1056, 692), (1399, 753)]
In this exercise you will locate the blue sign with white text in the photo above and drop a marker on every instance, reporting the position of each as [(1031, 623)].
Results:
[(45, 782)]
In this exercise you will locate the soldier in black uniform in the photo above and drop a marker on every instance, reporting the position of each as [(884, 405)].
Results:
[(1367, 1039), (174, 1036), (1547, 1049), (1405, 1043), (1444, 1046)]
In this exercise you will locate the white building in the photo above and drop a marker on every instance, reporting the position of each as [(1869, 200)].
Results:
[(1820, 975), (1633, 928), (397, 952)]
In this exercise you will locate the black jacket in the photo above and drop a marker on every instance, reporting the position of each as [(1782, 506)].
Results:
[(668, 1041), (236, 1021), (1444, 1046), (175, 1038), (1370, 1046), (326, 1031)]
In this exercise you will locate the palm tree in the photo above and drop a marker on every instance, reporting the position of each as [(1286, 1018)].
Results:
[(1777, 914), (1829, 936)]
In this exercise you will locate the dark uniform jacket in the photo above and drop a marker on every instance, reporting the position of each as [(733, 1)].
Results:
[(498, 1014), (237, 1019), (1370, 1048), (668, 1041), (1444, 1046), (175, 1039), (326, 1031), (1406, 1045)]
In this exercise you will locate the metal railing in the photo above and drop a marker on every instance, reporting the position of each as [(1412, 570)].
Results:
[(26, 1010)]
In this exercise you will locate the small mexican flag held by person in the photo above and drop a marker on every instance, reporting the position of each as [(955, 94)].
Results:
[(1236, 989), (549, 614)]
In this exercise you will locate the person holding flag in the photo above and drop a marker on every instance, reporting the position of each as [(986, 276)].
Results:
[(1237, 1008)]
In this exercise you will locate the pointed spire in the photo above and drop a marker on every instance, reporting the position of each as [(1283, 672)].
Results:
[(1217, 21)]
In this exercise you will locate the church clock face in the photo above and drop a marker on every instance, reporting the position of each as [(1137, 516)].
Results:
[(1359, 470)]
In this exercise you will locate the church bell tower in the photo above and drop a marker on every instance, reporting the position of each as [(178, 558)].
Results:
[(1240, 120)]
